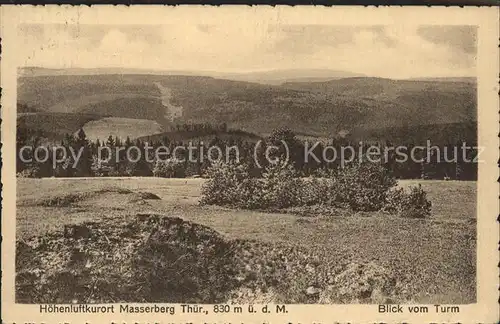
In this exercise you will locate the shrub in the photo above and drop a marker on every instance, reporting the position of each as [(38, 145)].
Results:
[(100, 168), (393, 200), (31, 172), (250, 194), (170, 168), (364, 187), (318, 191), (231, 184), (137, 169), (281, 188), (227, 184), (412, 203)]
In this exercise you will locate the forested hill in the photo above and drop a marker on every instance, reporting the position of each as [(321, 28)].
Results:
[(324, 108)]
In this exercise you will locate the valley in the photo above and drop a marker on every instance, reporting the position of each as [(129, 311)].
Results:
[(380, 109)]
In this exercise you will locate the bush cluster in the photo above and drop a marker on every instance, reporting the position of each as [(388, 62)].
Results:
[(363, 187), (227, 184), (411, 203), (170, 168), (231, 184)]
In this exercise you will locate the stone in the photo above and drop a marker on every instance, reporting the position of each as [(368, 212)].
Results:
[(311, 290)]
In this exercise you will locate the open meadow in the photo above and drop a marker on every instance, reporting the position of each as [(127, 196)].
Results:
[(430, 260)]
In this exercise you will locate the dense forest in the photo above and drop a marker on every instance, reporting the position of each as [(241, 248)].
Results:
[(101, 157)]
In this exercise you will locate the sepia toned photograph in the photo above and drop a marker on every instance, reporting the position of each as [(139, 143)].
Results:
[(265, 162)]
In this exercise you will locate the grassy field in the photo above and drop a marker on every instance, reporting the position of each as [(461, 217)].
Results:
[(436, 257), (120, 127)]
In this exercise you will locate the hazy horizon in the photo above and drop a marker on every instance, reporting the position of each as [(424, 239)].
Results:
[(398, 52), (239, 75)]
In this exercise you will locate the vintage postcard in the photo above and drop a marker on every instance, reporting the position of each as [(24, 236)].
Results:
[(237, 164)]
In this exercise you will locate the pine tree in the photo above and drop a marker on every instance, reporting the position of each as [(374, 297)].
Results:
[(84, 165), (110, 142), (65, 168), (128, 142), (140, 168), (112, 163), (294, 147), (118, 142), (165, 141)]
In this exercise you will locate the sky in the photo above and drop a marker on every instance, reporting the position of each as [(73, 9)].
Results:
[(395, 51)]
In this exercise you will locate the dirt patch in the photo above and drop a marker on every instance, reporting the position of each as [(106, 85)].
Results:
[(64, 200), (118, 190), (106, 194), (148, 196), (140, 198)]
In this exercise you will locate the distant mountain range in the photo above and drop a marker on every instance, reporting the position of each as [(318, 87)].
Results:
[(448, 79), (274, 77), (293, 98)]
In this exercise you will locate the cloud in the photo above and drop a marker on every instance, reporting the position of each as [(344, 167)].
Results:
[(386, 51), (458, 38), (117, 50)]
